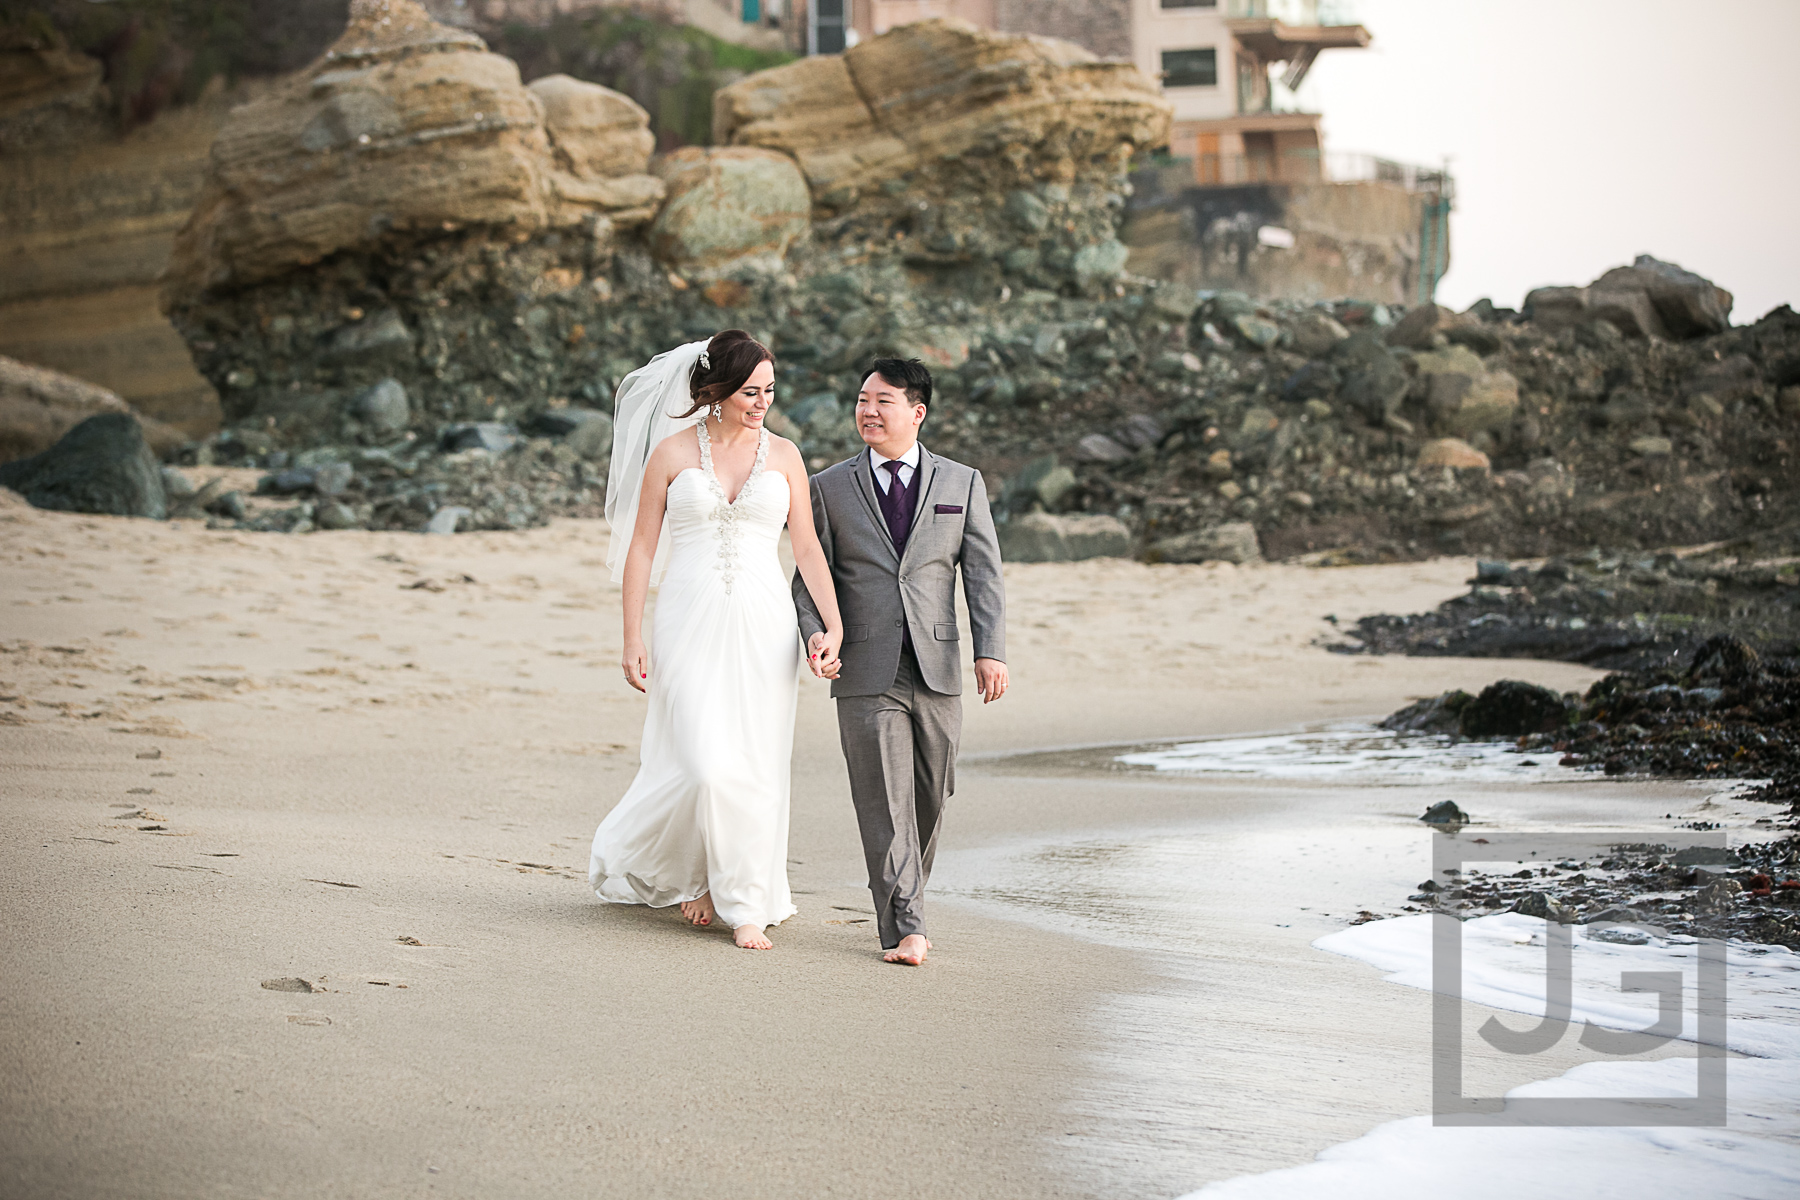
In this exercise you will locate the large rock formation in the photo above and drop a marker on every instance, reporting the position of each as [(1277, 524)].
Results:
[(87, 216), (404, 128), (966, 145), (405, 209)]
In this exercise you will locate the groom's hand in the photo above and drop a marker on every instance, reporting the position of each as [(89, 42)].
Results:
[(990, 679)]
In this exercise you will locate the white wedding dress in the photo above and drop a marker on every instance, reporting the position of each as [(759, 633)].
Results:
[(708, 811)]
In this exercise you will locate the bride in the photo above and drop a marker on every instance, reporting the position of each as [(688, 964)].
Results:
[(705, 823)]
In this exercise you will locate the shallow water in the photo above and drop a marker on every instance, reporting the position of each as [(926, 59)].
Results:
[(1354, 754), (1259, 1050)]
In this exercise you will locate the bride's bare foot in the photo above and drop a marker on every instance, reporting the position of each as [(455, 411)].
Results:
[(699, 911), (750, 937), (910, 951)]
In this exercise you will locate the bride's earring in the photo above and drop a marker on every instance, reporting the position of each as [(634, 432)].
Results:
[(718, 413)]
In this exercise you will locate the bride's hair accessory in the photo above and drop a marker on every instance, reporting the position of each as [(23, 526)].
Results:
[(721, 368)]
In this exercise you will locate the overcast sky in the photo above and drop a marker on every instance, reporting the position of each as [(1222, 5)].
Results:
[(1583, 133)]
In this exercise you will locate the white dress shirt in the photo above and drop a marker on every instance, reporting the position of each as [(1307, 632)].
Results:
[(910, 467)]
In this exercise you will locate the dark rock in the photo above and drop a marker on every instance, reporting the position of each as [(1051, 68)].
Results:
[(1435, 714), (102, 465), (286, 481), (333, 515), (1545, 907), (230, 505), (1445, 812), (1510, 709), (491, 436), (1375, 383)]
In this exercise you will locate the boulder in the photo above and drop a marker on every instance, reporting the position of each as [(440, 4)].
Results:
[(1649, 299), (1434, 714), (729, 209), (1445, 812), (1233, 542), (404, 126), (1098, 448), (382, 409), (1510, 709), (1315, 333), (102, 465), (1043, 537), (1419, 328), (1450, 452), (1374, 382), (1545, 907), (38, 406), (602, 142)]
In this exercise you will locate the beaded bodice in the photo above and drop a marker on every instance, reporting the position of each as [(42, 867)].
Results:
[(735, 534)]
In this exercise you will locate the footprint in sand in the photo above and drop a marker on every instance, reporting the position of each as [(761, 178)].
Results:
[(290, 984), (308, 1019)]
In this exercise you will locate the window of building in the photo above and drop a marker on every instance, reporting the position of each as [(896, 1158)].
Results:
[(828, 26), (1190, 3), (1190, 68)]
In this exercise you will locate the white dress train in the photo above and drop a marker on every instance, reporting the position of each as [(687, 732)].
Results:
[(708, 810)]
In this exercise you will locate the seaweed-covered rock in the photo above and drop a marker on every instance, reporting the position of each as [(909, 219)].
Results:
[(1510, 709), (102, 465)]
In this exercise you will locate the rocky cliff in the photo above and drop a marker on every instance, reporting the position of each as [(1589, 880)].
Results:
[(405, 253)]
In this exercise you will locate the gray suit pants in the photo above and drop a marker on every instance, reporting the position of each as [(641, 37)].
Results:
[(900, 747)]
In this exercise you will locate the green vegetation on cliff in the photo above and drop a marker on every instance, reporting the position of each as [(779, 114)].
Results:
[(672, 70)]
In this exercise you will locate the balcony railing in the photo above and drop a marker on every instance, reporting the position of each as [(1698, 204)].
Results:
[(1352, 168), (1307, 166)]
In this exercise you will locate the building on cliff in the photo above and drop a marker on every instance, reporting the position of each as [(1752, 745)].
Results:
[(1245, 196)]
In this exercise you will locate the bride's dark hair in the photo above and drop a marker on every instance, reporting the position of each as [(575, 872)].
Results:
[(731, 356)]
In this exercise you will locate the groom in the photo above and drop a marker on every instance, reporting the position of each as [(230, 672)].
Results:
[(896, 521)]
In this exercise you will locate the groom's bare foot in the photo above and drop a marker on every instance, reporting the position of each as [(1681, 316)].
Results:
[(699, 911), (750, 937), (910, 951)]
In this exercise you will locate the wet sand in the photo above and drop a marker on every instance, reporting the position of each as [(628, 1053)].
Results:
[(234, 759)]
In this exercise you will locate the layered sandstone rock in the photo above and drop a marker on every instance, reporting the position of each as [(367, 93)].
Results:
[(404, 127), (936, 91)]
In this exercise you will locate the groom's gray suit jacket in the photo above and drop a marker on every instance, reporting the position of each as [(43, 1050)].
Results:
[(880, 591)]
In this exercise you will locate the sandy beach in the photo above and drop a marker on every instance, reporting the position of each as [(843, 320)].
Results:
[(372, 762)]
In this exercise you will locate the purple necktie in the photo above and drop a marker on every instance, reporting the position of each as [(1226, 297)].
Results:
[(896, 506)]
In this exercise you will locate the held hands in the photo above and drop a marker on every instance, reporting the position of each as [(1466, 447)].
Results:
[(636, 663), (990, 679), (822, 653)]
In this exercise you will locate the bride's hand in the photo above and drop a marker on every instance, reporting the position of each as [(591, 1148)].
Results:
[(637, 665), (822, 654)]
